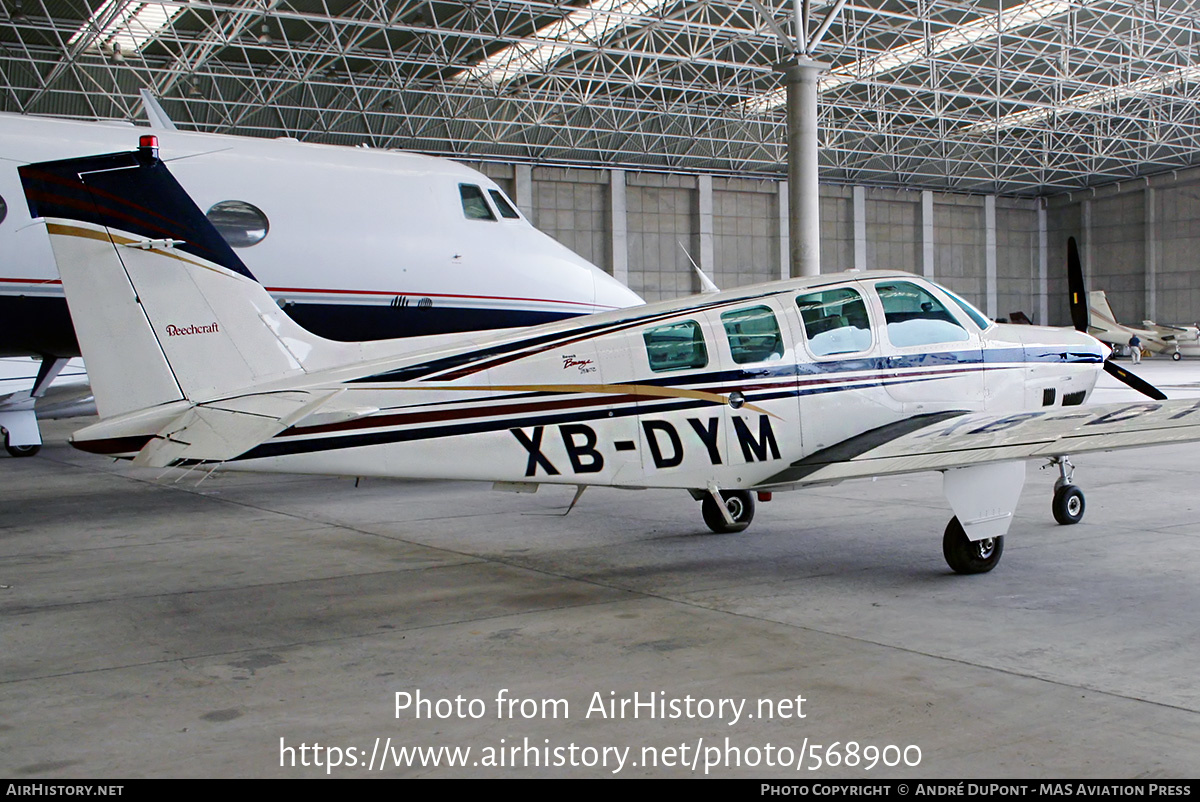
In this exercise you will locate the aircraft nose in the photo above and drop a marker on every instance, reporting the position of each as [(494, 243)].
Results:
[(613, 294)]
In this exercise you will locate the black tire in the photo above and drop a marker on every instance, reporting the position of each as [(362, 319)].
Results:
[(1177, 356), (740, 504), (21, 451), (1068, 505), (968, 556)]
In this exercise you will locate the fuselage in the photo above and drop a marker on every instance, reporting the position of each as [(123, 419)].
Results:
[(730, 388), (355, 244)]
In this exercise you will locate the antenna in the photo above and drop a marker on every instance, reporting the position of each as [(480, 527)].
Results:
[(706, 284)]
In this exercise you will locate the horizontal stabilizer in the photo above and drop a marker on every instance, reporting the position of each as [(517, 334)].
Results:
[(221, 430)]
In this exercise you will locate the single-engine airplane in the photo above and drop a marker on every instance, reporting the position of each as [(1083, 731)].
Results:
[(356, 244), (775, 387)]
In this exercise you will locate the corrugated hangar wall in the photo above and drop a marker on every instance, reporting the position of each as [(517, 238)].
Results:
[(1139, 240)]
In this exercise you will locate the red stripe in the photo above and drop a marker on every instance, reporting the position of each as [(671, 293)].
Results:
[(433, 295), (367, 292)]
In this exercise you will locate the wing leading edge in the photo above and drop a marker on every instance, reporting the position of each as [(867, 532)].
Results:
[(948, 440)]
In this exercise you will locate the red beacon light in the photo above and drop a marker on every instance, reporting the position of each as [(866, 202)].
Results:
[(148, 143)]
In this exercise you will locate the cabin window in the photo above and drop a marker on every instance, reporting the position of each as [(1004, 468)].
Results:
[(239, 223), (915, 317), (506, 209), (753, 334), (473, 203), (835, 321), (980, 319), (3, 209), (679, 346)]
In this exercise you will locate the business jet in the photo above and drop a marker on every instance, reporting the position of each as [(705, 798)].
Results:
[(730, 396), (354, 244)]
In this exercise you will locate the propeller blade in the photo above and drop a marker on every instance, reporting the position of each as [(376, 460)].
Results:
[(1141, 385), (1079, 299)]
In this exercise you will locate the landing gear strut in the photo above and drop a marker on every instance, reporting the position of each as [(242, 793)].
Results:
[(1068, 505)]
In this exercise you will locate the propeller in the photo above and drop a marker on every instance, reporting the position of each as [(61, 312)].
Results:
[(1079, 318)]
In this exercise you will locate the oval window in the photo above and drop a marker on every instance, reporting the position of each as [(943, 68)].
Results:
[(241, 224), (3, 209)]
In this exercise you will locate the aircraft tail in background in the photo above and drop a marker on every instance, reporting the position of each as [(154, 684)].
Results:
[(151, 335)]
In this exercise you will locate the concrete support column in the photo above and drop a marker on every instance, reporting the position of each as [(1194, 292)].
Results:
[(1085, 215), (927, 233), (707, 254), (1151, 254), (804, 224), (785, 261), (1043, 269), (618, 226), (989, 254), (523, 187), (859, 196)]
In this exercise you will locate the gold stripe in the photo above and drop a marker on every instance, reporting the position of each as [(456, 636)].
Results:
[(107, 236), (599, 389)]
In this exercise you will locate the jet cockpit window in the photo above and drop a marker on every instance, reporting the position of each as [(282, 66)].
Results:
[(241, 224), (753, 334), (679, 346), (3, 209), (835, 321), (473, 203), (506, 209), (914, 317)]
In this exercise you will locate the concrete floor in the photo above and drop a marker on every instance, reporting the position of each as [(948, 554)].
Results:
[(153, 628)]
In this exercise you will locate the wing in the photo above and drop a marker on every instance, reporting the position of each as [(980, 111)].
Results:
[(959, 439)]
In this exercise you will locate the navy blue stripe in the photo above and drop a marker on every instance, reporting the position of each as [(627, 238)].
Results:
[(965, 358), (132, 192), (509, 349), (280, 448)]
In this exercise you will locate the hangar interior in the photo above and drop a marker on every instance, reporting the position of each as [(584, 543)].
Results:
[(203, 628), (961, 139)]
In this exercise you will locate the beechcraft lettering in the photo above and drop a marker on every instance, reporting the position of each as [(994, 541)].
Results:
[(664, 444), (184, 331), (730, 396)]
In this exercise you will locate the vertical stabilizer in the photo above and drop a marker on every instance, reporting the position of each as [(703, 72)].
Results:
[(1101, 314), (163, 306)]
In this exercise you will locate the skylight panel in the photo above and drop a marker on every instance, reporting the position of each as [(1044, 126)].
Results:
[(125, 26)]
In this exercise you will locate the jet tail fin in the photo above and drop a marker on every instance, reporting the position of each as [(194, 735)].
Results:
[(164, 309)]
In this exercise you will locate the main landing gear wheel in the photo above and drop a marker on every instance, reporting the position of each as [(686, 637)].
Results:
[(21, 451), (1068, 505), (968, 556), (741, 508), (1176, 356)]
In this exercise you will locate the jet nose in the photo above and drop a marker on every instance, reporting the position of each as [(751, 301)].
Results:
[(612, 294)]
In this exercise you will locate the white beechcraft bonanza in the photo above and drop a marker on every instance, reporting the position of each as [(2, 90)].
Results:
[(355, 244), (801, 382)]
